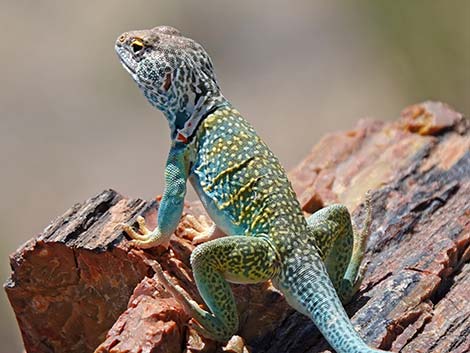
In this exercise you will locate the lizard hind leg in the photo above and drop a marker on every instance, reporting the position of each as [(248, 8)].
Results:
[(215, 263), (331, 231), (355, 272), (342, 247)]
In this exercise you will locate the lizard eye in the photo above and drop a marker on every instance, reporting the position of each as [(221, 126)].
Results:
[(137, 46)]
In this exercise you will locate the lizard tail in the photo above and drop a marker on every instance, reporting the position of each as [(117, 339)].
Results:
[(308, 289)]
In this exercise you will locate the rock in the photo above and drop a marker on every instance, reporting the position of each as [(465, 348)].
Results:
[(79, 278)]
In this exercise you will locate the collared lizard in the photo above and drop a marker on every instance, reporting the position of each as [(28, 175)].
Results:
[(314, 262)]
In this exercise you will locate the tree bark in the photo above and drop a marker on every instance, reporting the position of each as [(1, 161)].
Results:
[(78, 286)]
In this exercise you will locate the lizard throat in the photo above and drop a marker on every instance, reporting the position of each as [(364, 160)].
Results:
[(186, 132)]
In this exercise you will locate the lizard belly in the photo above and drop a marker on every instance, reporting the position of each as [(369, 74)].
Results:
[(222, 218)]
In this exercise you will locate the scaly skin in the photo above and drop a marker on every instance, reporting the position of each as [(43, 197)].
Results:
[(246, 192)]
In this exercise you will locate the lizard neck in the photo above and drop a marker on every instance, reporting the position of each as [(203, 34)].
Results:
[(185, 104), (184, 122)]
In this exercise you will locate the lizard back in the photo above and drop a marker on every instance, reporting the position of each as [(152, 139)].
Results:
[(240, 181)]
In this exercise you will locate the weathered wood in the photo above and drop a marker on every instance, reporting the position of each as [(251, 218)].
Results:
[(79, 278)]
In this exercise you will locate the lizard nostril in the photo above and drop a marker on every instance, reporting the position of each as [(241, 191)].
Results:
[(122, 38)]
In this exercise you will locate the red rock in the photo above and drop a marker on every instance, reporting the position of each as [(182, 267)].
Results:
[(79, 279)]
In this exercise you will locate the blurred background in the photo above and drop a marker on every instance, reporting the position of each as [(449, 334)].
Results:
[(72, 122)]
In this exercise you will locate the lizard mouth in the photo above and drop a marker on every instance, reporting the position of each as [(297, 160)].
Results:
[(129, 64), (133, 73), (124, 58), (127, 67)]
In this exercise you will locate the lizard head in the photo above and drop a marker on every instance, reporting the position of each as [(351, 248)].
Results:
[(175, 74)]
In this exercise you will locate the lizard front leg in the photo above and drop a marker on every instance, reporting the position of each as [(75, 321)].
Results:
[(171, 204)]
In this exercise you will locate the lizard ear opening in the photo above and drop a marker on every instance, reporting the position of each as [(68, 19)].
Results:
[(167, 82)]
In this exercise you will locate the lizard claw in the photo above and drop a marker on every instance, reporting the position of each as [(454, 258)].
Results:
[(145, 238), (131, 232), (142, 227)]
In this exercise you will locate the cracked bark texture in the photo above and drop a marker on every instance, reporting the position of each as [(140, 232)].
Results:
[(79, 278)]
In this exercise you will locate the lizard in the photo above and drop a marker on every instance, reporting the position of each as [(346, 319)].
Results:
[(315, 262)]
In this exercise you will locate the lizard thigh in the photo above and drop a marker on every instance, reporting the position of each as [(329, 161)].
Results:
[(229, 259), (332, 232)]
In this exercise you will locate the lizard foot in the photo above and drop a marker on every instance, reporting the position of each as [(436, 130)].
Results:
[(188, 304), (145, 238), (199, 230), (360, 277), (173, 289), (361, 237)]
